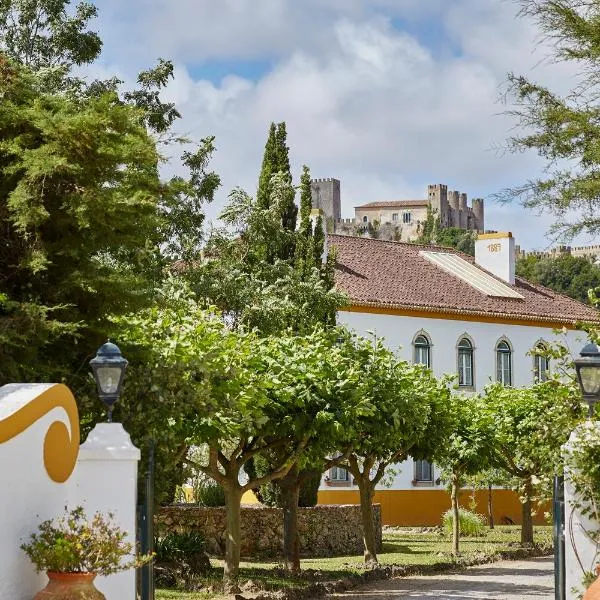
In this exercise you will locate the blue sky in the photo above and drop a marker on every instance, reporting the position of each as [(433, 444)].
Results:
[(385, 95)]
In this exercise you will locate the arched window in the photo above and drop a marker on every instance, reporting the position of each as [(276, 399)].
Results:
[(503, 363), (365, 219), (541, 363), (465, 363), (422, 350)]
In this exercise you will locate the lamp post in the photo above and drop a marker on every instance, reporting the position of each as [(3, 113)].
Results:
[(588, 374), (109, 367)]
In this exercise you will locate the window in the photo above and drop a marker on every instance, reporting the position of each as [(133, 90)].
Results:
[(503, 363), (422, 351), (541, 364), (423, 471), (394, 216), (406, 217), (465, 363), (338, 474), (365, 219)]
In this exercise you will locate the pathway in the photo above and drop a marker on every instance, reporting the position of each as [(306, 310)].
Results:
[(531, 579)]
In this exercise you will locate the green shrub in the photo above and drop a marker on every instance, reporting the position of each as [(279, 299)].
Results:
[(470, 523), (177, 546), (210, 494), (57, 546)]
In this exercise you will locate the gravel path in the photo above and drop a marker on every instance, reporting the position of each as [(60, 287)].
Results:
[(531, 579)]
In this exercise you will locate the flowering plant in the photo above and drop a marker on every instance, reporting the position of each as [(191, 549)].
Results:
[(74, 544)]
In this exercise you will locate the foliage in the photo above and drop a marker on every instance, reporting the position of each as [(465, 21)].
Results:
[(79, 216), (265, 273), (271, 494), (570, 275), (210, 494), (88, 228), (432, 232), (43, 34), (402, 409), (469, 446), (562, 129), (469, 523), (177, 546), (74, 544), (468, 450), (526, 446)]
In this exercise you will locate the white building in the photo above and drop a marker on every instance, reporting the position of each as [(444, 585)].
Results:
[(459, 315)]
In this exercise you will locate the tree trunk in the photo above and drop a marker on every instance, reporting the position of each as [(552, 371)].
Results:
[(290, 490), (365, 487), (233, 500), (490, 508), (455, 514), (527, 520)]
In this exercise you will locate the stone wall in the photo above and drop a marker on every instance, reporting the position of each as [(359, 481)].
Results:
[(333, 530)]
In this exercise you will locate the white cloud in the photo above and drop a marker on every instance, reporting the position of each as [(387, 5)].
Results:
[(379, 108)]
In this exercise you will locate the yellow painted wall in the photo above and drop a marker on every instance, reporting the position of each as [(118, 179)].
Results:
[(250, 498), (421, 507)]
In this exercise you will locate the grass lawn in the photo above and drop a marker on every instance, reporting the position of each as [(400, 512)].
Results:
[(400, 547)]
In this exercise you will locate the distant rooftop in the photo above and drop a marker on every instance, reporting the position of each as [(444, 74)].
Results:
[(393, 204)]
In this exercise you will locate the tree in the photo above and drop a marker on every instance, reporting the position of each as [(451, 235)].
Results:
[(79, 214), (248, 276), (527, 446), (41, 34), (402, 410), (467, 451), (240, 394), (570, 275), (562, 129), (432, 232)]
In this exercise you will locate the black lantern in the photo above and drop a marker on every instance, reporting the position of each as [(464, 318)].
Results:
[(588, 374), (109, 367)]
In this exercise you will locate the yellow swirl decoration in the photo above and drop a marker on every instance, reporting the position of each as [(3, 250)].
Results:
[(60, 448)]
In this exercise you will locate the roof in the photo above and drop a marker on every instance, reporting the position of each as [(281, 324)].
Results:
[(397, 276), (393, 204)]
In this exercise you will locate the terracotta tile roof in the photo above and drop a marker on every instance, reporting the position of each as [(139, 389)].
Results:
[(393, 275), (393, 204)]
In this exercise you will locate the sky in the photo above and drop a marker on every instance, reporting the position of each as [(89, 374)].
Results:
[(387, 96)]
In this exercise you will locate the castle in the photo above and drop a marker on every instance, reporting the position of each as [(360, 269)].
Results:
[(590, 252), (401, 220)]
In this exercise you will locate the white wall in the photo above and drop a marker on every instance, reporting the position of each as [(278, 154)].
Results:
[(399, 332), (104, 478)]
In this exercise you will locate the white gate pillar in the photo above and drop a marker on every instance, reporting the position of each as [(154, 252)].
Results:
[(106, 481), (581, 553)]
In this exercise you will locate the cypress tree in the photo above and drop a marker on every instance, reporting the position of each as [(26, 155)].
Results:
[(268, 169)]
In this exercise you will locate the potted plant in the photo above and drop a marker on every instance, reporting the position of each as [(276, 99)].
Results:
[(73, 550)]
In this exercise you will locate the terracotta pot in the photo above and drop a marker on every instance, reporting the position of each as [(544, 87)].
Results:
[(70, 586), (593, 592)]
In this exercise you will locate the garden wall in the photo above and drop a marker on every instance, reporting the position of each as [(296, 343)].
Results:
[(333, 530)]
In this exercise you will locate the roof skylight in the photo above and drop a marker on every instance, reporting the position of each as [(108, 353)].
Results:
[(469, 273)]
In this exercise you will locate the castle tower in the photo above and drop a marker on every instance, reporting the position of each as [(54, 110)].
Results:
[(479, 214), (453, 217), (326, 197), (437, 194)]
